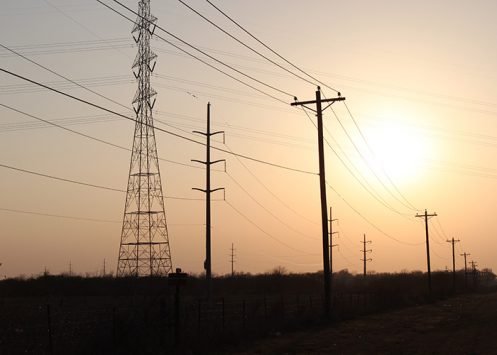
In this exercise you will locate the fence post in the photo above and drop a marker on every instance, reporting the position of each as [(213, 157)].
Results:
[(223, 313), (114, 330), (49, 329), (265, 308), (243, 314), (199, 313)]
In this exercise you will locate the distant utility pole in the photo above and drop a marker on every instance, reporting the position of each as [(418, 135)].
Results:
[(331, 220), (207, 191), (425, 216), (474, 264), (453, 241), (70, 268), (104, 267), (465, 268), (322, 184), (232, 260), (365, 250)]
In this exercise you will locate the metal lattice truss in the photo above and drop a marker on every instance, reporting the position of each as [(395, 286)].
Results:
[(144, 248)]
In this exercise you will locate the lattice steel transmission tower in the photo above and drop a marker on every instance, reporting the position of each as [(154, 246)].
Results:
[(144, 248)]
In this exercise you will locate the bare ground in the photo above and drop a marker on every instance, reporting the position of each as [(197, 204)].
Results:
[(462, 325)]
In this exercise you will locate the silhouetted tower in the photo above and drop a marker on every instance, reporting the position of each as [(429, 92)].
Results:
[(208, 191), (144, 249), (425, 216), (365, 250)]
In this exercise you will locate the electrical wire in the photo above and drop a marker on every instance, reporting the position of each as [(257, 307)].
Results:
[(269, 48), (244, 44), (377, 198), (204, 53), (58, 216), (158, 129), (261, 229), (374, 155), (270, 191), (267, 209), (85, 183), (91, 137), (368, 221), (368, 164)]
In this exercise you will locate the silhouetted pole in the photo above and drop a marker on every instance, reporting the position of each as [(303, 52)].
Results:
[(473, 271), (425, 216), (232, 260), (331, 245), (322, 185), (365, 251), (207, 191), (453, 242), (465, 268)]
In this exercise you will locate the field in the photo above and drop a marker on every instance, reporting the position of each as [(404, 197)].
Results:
[(60, 314), (462, 325)]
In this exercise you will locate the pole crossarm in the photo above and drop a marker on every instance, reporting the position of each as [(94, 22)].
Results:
[(331, 100)]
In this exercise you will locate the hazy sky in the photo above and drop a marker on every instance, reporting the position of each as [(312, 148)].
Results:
[(419, 78)]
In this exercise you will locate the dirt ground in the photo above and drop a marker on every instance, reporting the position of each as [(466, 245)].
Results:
[(462, 325)]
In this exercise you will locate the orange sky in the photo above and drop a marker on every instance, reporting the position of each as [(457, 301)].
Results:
[(419, 78)]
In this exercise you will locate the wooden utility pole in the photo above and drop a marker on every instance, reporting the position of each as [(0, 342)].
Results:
[(465, 269), (453, 241), (322, 184), (425, 216), (331, 245), (365, 251), (474, 271), (208, 191), (232, 260)]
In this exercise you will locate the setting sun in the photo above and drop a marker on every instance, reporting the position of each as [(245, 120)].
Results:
[(399, 150)]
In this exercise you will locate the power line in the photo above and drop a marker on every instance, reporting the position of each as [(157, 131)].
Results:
[(77, 182), (267, 209), (62, 76), (368, 221), (368, 163), (261, 229), (204, 53), (377, 198), (374, 155), (58, 216), (269, 190), (246, 45), (158, 129), (61, 179), (88, 136), (269, 48)]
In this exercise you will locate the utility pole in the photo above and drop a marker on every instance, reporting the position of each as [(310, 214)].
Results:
[(331, 220), (232, 260), (465, 268), (322, 185), (474, 264), (365, 251), (453, 241), (425, 216), (70, 268), (208, 191), (104, 267)]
